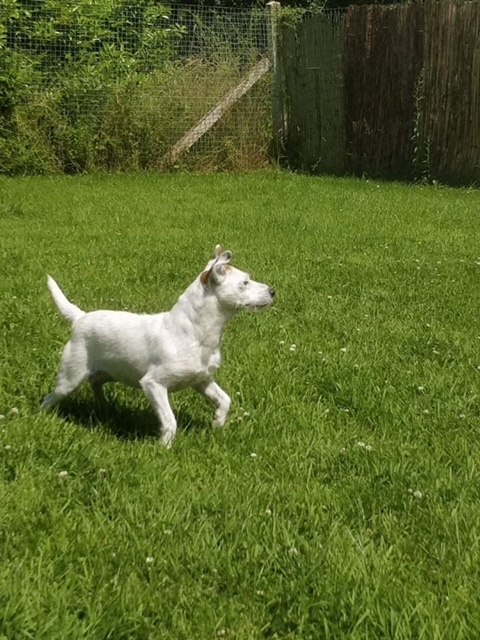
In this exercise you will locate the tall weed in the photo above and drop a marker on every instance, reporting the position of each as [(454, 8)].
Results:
[(130, 124)]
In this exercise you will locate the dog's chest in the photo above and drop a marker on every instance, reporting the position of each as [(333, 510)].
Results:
[(205, 366), (196, 371)]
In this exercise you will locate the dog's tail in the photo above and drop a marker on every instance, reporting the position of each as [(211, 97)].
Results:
[(67, 309)]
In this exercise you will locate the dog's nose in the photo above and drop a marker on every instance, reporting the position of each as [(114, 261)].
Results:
[(271, 292)]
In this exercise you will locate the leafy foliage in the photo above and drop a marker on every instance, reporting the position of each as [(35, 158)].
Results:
[(89, 45), (102, 86)]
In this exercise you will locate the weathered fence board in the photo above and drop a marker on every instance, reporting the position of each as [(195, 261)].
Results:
[(451, 132), (384, 91), (312, 59), (383, 63)]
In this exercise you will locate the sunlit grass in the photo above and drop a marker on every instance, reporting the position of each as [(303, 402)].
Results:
[(342, 501)]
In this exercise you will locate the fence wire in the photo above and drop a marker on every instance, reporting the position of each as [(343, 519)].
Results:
[(122, 85)]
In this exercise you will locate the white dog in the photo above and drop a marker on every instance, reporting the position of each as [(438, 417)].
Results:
[(162, 352)]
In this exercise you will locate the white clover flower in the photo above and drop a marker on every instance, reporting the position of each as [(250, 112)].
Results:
[(102, 472), (426, 412), (15, 411), (149, 559), (421, 389), (329, 297), (268, 512), (417, 494), (63, 474), (293, 347), (167, 532), (8, 447), (253, 455), (246, 414), (343, 349), (462, 416), (293, 551), (361, 444), (281, 343), (2, 417), (260, 592), (343, 449), (356, 366), (368, 447)]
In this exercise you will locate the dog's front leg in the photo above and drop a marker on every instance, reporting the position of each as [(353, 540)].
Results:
[(158, 396), (220, 399)]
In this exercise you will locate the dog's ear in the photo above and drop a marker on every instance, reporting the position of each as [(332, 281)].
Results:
[(218, 250), (224, 257), (218, 267), (204, 276)]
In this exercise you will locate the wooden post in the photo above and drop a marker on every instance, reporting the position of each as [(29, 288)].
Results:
[(274, 9), (214, 115)]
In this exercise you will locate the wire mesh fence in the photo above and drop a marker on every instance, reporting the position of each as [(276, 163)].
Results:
[(131, 84)]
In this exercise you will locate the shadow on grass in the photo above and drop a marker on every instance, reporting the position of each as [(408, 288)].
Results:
[(120, 420)]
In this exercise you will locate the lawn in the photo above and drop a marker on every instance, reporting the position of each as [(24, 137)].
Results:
[(342, 500)]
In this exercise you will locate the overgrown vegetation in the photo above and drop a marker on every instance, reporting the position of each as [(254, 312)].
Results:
[(111, 85), (342, 500)]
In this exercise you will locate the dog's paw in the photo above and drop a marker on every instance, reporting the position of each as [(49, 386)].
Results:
[(167, 439)]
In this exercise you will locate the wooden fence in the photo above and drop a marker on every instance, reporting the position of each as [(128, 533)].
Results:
[(383, 91)]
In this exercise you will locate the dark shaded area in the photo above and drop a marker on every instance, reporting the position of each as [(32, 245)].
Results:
[(120, 420), (383, 62)]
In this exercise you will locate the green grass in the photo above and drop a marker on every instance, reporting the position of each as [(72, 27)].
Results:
[(316, 536)]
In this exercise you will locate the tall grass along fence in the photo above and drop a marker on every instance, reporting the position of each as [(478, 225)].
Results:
[(131, 84), (383, 91)]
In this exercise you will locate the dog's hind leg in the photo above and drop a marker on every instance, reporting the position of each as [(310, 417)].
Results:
[(220, 399), (158, 396), (73, 371), (97, 379)]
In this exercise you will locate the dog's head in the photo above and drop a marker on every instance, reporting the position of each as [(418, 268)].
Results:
[(233, 288)]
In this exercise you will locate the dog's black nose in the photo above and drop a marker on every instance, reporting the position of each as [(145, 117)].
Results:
[(271, 292)]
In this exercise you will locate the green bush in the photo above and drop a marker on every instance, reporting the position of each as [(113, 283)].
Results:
[(88, 87)]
